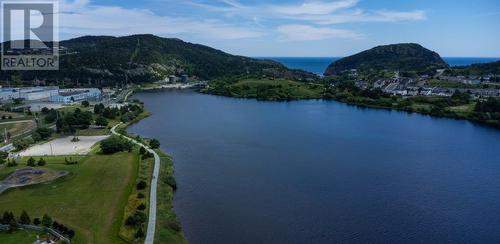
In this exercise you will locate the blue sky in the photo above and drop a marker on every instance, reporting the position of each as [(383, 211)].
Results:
[(461, 28)]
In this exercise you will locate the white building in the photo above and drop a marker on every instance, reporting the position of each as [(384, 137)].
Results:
[(8, 94), (28, 93), (75, 95), (38, 93)]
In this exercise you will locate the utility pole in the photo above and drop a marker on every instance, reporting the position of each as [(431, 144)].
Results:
[(51, 150)]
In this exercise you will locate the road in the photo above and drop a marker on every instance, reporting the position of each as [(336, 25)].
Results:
[(150, 235)]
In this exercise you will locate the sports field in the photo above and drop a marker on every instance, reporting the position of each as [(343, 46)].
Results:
[(90, 200)]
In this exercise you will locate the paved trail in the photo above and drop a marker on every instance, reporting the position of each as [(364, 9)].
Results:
[(150, 235)]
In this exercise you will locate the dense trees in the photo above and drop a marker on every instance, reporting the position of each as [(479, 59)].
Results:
[(141, 185), (98, 108), (50, 115), (137, 219), (154, 143), (491, 105), (46, 220), (24, 218), (85, 104), (41, 162), (22, 144), (115, 144), (139, 234), (8, 218), (31, 162), (101, 121), (72, 121), (105, 61), (3, 157), (42, 133), (125, 113)]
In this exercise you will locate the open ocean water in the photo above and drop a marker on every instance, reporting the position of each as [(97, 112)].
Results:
[(318, 65)]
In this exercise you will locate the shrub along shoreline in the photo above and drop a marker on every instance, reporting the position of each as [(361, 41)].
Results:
[(461, 105), (134, 226)]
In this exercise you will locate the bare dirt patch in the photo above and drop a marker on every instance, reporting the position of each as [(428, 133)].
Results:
[(64, 146)]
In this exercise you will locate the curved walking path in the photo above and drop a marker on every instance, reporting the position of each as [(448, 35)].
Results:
[(150, 235)]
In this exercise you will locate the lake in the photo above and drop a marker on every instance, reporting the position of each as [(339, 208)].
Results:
[(325, 172)]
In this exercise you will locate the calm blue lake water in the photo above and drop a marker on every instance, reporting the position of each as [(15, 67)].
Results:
[(319, 65), (325, 172)]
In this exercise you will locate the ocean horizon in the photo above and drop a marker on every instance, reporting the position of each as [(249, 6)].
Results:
[(318, 65)]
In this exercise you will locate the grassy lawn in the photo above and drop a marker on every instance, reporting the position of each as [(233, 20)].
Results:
[(90, 200), (449, 84), (419, 106), (463, 109), (92, 132), (17, 128), (20, 236), (167, 225)]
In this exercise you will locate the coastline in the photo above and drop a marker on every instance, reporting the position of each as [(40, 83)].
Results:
[(329, 97), (167, 227), (443, 114)]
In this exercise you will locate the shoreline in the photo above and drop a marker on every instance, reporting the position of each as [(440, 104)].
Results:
[(451, 115), (163, 169)]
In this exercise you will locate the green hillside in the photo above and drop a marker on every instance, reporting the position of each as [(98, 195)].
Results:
[(106, 60), (396, 57)]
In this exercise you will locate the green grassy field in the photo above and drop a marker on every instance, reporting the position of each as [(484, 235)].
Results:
[(90, 200), (17, 237)]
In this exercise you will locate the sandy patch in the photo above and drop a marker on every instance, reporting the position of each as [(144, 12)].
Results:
[(64, 146)]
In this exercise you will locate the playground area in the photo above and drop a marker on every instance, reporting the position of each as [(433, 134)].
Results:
[(64, 146)]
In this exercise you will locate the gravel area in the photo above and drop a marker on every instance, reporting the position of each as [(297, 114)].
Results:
[(64, 146)]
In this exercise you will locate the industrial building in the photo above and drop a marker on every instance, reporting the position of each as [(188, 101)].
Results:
[(28, 93), (50, 93), (75, 95)]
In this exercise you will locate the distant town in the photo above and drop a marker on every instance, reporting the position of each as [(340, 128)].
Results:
[(438, 85)]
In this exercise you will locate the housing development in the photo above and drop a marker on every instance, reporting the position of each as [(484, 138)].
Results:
[(437, 85)]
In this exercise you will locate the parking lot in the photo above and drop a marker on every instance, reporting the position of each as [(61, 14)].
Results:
[(64, 146)]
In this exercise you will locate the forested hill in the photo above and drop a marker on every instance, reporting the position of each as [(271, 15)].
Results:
[(105, 60), (396, 57)]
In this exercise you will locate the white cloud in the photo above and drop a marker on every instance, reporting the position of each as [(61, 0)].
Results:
[(316, 12), (310, 33), (362, 16), (80, 17), (312, 8)]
